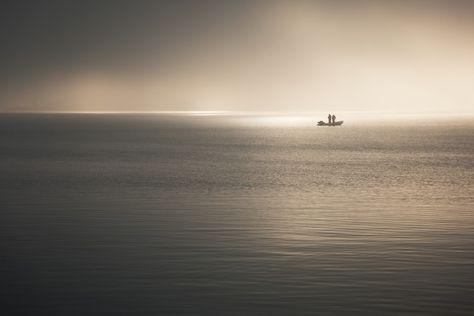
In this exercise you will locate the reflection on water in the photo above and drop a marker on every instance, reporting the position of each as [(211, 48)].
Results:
[(149, 214)]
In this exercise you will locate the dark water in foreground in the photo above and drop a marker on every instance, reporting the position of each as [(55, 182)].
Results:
[(219, 215)]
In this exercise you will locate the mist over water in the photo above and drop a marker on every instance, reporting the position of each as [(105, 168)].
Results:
[(148, 214), (277, 55)]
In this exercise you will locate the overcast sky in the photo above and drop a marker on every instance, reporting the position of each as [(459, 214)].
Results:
[(289, 56)]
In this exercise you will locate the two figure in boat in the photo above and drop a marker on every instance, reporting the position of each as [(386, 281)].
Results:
[(331, 121)]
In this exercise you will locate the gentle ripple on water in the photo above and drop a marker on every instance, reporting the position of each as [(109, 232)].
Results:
[(175, 215)]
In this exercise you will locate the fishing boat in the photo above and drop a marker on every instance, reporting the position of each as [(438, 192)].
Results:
[(337, 123)]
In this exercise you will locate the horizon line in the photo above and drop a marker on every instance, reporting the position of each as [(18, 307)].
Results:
[(229, 112), (257, 113)]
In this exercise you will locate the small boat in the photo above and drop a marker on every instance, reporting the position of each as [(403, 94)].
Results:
[(322, 123)]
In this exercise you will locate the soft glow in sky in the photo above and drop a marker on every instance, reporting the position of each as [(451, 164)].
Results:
[(288, 56)]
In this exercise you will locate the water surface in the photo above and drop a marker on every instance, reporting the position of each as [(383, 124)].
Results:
[(149, 214)]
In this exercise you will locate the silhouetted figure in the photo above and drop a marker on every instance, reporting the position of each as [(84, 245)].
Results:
[(329, 118), (333, 119)]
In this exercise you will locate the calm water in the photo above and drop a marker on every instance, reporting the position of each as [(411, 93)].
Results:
[(139, 214)]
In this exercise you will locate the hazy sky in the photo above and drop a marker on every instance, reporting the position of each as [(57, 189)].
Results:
[(347, 55)]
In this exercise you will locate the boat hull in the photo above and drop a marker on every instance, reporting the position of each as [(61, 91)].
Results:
[(338, 123)]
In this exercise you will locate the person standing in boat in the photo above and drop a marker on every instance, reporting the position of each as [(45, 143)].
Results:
[(333, 119), (329, 118)]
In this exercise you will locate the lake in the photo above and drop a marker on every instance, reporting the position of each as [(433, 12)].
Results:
[(235, 215)]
